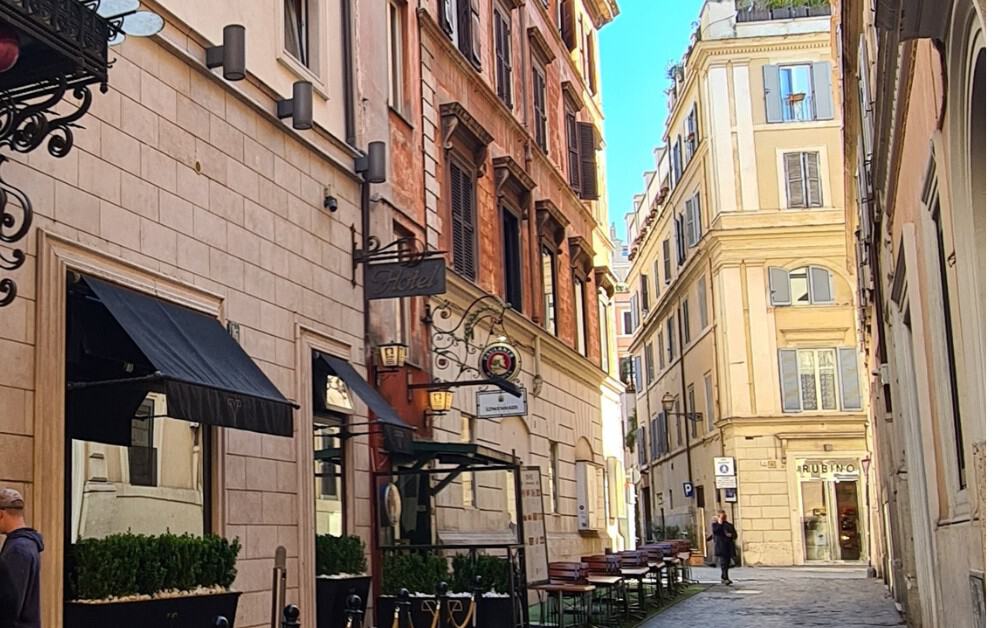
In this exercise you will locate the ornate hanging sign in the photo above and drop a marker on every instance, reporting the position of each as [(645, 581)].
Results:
[(500, 359)]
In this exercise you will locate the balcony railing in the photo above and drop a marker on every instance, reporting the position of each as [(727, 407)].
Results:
[(755, 14)]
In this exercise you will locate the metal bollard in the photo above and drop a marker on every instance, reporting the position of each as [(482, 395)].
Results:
[(355, 611), (290, 617), (221, 622)]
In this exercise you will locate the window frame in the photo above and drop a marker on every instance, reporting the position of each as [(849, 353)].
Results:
[(808, 202), (503, 66), (580, 307), (539, 103), (397, 67), (809, 94)]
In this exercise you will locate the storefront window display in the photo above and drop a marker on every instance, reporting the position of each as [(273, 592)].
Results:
[(832, 528)]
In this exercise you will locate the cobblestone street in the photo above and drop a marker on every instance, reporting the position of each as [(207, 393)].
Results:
[(784, 598)]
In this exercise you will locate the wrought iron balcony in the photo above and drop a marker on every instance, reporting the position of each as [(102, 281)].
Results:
[(754, 13)]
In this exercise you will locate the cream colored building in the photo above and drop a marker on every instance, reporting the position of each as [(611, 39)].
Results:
[(746, 345)]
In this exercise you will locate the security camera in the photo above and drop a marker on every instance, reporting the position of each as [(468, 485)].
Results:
[(329, 201)]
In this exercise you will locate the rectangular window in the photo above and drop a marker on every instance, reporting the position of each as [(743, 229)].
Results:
[(685, 323), (554, 477), (297, 32), (799, 92), (709, 404), (396, 67), (641, 440), (549, 289), (512, 258), (638, 373), (796, 93), (567, 23), (501, 46), (677, 161), (627, 323), (692, 410), (141, 453), (670, 340), (572, 150), (661, 351), (538, 100), (666, 260), (802, 180), (460, 20), (625, 371), (581, 316), (654, 428), (649, 363), (679, 237), (693, 213), (463, 220), (656, 278), (602, 324), (329, 470), (702, 303), (591, 64), (644, 293), (819, 380), (691, 131)]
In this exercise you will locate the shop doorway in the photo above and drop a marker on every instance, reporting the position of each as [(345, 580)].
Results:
[(831, 521)]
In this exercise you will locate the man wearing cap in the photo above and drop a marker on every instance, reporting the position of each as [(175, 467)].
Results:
[(20, 565)]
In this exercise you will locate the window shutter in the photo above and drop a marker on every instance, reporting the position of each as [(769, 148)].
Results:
[(822, 90), (781, 288), (689, 223), (666, 260), (538, 81), (694, 123), (794, 180), (814, 187), (474, 38), (588, 161), (567, 10), (463, 222), (850, 384), (644, 292), (772, 94), (820, 288), (573, 151), (446, 11), (696, 218), (788, 365), (501, 36)]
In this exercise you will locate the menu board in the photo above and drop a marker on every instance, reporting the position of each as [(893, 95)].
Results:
[(536, 552)]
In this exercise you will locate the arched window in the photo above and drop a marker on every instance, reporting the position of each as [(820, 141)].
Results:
[(808, 285)]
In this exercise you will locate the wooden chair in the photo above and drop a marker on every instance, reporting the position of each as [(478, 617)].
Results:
[(657, 569), (569, 580), (634, 569), (605, 574), (683, 553)]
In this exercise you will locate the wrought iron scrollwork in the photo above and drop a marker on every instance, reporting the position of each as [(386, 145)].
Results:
[(25, 126), (455, 344)]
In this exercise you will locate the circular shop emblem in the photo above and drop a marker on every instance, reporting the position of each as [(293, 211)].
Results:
[(500, 359)]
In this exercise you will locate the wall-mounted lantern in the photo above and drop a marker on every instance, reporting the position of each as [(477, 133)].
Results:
[(299, 107), (392, 355), (440, 400), (231, 56)]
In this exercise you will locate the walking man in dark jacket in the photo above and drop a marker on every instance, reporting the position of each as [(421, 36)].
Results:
[(724, 535), (20, 565)]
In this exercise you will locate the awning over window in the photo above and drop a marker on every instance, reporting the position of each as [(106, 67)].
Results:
[(124, 344), (398, 437)]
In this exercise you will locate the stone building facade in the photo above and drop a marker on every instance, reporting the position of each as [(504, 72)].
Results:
[(915, 120), (746, 345)]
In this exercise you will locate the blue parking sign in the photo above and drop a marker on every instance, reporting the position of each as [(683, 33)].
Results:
[(688, 489)]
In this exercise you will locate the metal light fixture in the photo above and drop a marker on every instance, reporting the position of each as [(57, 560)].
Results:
[(299, 107), (392, 355), (440, 400), (371, 165), (668, 402), (231, 55)]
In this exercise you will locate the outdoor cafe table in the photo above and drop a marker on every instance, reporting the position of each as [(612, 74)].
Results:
[(638, 574), (611, 583)]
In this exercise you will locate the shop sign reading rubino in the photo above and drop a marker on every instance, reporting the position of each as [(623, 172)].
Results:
[(500, 359), (832, 470)]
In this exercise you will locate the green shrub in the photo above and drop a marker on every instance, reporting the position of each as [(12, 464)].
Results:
[(495, 572), (340, 554), (417, 572), (137, 564)]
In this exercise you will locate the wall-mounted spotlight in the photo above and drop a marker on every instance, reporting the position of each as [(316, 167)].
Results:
[(231, 55), (299, 107), (371, 165)]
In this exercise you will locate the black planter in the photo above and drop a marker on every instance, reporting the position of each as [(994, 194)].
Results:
[(494, 612), (194, 611), (331, 598)]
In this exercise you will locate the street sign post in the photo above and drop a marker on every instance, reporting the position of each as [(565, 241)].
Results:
[(725, 466)]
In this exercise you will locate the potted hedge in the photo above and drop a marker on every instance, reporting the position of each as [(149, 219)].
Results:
[(341, 571), (420, 574), (151, 581)]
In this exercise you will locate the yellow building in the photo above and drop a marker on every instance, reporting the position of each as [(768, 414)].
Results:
[(744, 296)]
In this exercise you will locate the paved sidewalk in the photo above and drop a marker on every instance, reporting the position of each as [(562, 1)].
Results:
[(769, 597)]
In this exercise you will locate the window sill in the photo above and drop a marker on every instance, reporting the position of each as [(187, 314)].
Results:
[(796, 124), (401, 116), (304, 73)]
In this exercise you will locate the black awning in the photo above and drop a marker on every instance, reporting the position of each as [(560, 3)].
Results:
[(206, 376), (377, 405)]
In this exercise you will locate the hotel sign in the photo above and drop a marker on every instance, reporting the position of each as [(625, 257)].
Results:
[(393, 280)]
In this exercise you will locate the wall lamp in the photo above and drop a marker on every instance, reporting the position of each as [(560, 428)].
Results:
[(299, 107), (440, 400), (371, 165), (668, 402), (392, 355), (231, 55)]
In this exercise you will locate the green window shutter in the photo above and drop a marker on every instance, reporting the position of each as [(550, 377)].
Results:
[(822, 90), (850, 383), (794, 180), (772, 94), (588, 161), (788, 367), (781, 289), (813, 185)]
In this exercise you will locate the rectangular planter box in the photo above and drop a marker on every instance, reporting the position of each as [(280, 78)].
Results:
[(494, 612), (331, 598), (195, 611)]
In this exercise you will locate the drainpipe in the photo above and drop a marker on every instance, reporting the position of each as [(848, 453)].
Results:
[(687, 425)]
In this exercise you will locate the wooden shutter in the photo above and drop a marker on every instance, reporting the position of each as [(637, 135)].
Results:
[(572, 151), (446, 11), (822, 90), (666, 260), (501, 47), (794, 180), (688, 214), (463, 228), (538, 92), (820, 287), (694, 123), (788, 367), (850, 383), (475, 41), (588, 161), (644, 292), (696, 217), (679, 240), (772, 94), (814, 187), (781, 288), (567, 13)]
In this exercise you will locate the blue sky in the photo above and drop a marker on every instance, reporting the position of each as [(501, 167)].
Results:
[(635, 50)]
